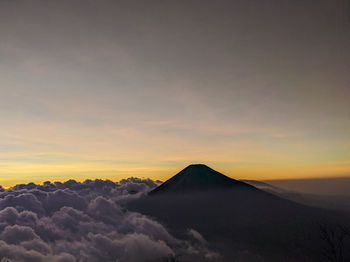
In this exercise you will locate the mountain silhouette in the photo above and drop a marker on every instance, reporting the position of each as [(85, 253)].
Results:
[(199, 177), (236, 217)]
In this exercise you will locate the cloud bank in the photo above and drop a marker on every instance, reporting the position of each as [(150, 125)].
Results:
[(86, 221)]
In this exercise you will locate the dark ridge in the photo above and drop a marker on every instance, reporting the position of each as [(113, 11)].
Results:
[(198, 177), (234, 216)]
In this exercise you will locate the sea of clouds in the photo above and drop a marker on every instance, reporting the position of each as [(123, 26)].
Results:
[(72, 221)]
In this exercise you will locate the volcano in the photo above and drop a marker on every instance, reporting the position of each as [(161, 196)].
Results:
[(196, 178), (235, 216)]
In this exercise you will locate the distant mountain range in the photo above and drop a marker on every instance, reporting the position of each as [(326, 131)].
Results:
[(336, 202), (239, 220)]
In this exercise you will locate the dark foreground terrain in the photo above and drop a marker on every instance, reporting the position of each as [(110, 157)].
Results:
[(243, 223)]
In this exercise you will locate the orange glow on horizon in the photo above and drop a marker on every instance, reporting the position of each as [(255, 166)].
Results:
[(40, 173)]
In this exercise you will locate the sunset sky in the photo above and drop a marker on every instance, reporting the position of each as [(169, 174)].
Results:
[(113, 89)]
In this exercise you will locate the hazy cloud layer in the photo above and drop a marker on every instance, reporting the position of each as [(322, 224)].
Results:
[(86, 221)]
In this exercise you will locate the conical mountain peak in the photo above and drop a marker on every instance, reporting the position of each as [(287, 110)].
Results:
[(198, 177)]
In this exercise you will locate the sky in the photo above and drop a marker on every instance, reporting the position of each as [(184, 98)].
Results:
[(256, 89)]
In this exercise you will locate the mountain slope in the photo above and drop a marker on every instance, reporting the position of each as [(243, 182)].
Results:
[(198, 177), (236, 217), (335, 202)]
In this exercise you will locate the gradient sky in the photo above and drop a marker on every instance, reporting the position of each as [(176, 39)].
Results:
[(257, 89)]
